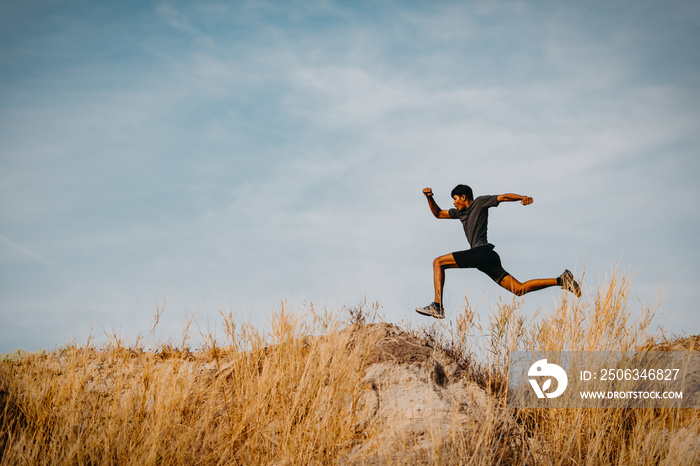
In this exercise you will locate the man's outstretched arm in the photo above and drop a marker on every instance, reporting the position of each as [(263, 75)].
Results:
[(510, 197), (434, 208)]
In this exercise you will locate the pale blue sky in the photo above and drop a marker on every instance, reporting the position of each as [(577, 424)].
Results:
[(233, 154)]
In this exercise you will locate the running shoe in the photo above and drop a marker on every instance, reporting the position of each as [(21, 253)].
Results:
[(433, 310), (569, 284)]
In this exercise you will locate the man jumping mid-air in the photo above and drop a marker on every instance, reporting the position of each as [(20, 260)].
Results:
[(474, 215)]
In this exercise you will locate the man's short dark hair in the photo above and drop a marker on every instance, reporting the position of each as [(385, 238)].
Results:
[(463, 190)]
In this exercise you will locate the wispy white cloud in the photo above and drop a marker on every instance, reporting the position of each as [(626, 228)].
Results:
[(24, 250)]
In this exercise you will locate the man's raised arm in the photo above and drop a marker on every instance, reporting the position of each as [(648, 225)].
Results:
[(434, 208), (510, 197)]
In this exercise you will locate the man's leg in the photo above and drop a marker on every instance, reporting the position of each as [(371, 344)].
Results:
[(514, 286), (566, 281), (435, 308), (439, 265)]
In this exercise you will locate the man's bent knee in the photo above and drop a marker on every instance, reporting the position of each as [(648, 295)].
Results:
[(513, 285), (444, 262)]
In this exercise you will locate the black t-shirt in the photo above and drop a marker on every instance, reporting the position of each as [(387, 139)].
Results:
[(475, 219)]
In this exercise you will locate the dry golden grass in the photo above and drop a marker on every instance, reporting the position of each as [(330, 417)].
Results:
[(292, 396), (282, 399)]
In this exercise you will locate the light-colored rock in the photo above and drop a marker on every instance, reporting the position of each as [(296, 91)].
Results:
[(414, 397)]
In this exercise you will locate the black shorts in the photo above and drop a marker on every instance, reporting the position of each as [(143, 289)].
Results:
[(483, 258)]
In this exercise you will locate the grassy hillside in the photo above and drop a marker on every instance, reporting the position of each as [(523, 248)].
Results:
[(302, 393)]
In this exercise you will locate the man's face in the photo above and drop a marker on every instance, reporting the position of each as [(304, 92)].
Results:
[(460, 202)]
